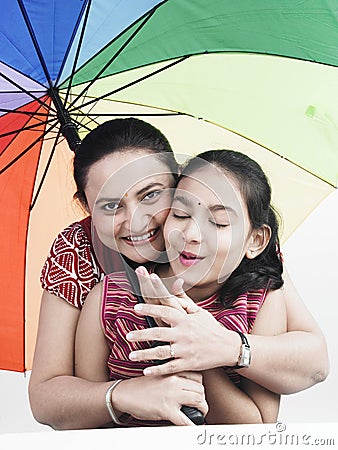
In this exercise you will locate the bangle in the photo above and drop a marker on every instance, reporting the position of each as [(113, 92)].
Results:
[(110, 408)]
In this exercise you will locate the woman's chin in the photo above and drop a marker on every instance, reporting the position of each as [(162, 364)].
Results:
[(141, 255)]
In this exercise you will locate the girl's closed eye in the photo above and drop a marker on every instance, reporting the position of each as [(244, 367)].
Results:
[(219, 225), (178, 214)]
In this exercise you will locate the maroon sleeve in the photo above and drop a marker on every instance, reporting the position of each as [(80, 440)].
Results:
[(71, 270)]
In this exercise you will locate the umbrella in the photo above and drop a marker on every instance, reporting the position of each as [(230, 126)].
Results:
[(260, 77)]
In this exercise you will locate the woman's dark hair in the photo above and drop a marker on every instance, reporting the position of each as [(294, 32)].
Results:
[(119, 135), (264, 271)]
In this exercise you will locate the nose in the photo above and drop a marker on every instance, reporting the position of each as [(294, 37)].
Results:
[(137, 219), (192, 231)]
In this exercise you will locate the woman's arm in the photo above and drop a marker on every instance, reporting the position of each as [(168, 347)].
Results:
[(249, 402), (154, 398), (57, 397), (283, 364)]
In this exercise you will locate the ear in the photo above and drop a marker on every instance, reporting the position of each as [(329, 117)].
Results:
[(259, 239)]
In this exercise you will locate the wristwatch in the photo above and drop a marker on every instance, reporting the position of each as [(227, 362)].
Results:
[(244, 358)]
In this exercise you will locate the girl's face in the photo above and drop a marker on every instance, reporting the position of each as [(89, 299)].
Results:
[(207, 232), (129, 195)]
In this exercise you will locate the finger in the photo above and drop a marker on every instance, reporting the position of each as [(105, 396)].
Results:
[(163, 334), (180, 419), (169, 315), (164, 296), (195, 400), (168, 368), (161, 352), (186, 302), (146, 286)]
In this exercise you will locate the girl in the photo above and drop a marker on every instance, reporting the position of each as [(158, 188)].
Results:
[(221, 238)]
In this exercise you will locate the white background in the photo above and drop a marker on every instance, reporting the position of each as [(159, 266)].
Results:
[(311, 257)]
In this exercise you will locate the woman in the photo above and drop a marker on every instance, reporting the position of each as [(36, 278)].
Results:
[(64, 401)]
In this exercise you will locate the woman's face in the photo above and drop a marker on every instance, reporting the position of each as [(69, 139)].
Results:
[(208, 231), (129, 195)]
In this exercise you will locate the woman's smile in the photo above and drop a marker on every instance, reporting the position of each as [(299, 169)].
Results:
[(150, 236)]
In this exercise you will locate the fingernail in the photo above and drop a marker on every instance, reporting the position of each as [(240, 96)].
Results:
[(140, 270), (147, 371), (129, 336), (132, 356), (138, 307)]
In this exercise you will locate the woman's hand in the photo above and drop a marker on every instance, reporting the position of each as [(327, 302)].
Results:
[(197, 340), (161, 398)]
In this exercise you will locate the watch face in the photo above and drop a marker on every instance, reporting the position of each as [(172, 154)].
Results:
[(246, 356)]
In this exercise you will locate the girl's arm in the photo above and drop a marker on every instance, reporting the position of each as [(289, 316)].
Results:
[(57, 397), (283, 364), (154, 398), (248, 403)]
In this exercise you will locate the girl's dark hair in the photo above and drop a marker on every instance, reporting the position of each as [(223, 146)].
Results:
[(264, 271), (119, 135)]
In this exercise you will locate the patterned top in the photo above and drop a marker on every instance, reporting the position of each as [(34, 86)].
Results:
[(119, 318), (71, 269)]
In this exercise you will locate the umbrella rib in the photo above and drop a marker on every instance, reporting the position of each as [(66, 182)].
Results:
[(117, 53), (26, 150), (45, 171), (273, 152), (77, 50), (28, 113), (82, 125), (149, 75), (122, 32), (35, 42), (29, 127), (86, 2), (128, 114), (22, 89)]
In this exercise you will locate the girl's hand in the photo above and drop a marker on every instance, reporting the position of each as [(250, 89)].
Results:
[(161, 398), (154, 292)]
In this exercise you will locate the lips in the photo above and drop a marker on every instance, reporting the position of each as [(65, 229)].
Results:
[(189, 259), (141, 239)]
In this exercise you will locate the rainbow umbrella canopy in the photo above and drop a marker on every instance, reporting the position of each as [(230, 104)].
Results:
[(258, 76)]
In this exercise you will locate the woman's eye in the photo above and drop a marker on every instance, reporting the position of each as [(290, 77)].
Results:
[(151, 195), (111, 206)]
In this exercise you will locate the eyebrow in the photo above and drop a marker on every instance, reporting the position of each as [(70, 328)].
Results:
[(149, 186), (140, 192), (213, 208)]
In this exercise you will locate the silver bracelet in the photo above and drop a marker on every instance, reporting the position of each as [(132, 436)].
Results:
[(110, 408)]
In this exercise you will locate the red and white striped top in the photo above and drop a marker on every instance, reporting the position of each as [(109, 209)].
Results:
[(119, 318)]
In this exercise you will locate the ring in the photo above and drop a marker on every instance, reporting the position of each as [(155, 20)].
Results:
[(172, 352)]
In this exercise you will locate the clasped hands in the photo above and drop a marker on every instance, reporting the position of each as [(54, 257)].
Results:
[(194, 334)]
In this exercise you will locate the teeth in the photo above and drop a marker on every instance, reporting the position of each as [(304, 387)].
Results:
[(141, 238)]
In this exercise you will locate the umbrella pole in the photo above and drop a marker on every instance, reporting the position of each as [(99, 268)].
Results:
[(67, 126)]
